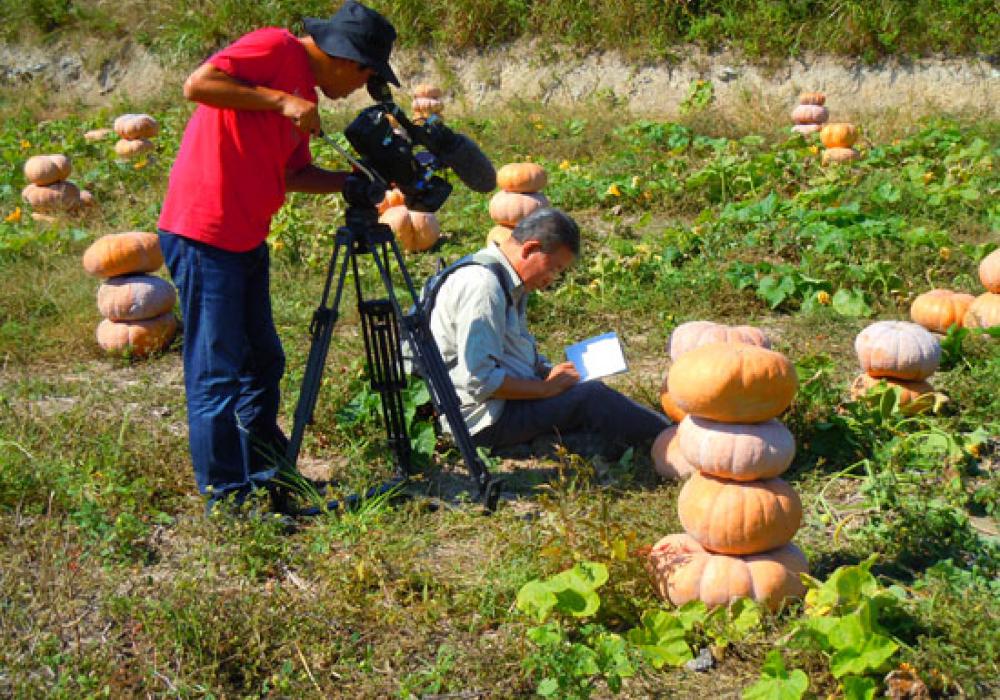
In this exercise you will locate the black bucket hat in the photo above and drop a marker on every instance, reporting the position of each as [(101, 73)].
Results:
[(357, 33)]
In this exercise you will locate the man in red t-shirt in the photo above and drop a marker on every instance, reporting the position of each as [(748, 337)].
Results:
[(246, 145)]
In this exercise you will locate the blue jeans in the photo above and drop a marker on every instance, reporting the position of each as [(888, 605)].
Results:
[(233, 363)]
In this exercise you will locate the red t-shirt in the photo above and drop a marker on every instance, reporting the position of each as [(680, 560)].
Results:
[(229, 176)]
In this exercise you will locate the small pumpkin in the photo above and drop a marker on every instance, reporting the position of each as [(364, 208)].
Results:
[(898, 349), (393, 198), (739, 517), (135, 297), (736, 451), (683, 571), (812, 98), (428, 90), (97, 135), (668, 461), (733, 382), (989, 272), (498, 234), (416, 230), (59, 196), (833, 156), (117, 254), (136, 126), (839, 135), (806, 129), (984, 312), (137, 338), (130, 148), (425, 106), (47, 169), (694, 334), (508, 208), (670, 407), (522, 177), (938, 309), (87, 198), (810, 114), (914, 397)]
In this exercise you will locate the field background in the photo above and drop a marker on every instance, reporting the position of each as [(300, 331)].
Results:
[(114, 584)]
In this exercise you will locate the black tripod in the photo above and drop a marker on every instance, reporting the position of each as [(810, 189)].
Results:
[(382, 321)]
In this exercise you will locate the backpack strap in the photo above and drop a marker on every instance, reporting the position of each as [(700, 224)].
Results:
[(435, 283)]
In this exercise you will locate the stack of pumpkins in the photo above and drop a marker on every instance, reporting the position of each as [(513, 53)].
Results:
[(137, 307), (134, 131), (427, 101), (738, 516), (416, 230), (903, 355), (667, 458), (520, 194), (984, 312), (48, 191), (839, 139), (810, 115)]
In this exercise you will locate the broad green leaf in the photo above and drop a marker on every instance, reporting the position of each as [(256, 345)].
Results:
[(858, 688), (536, 600), (851, 302), (575, 602), (870, 656), (660, 638), (746, 617), (692, 613), (775, 290), (776, 682), (548, 687)]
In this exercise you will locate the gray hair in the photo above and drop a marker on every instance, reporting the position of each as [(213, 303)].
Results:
[(551, 227)]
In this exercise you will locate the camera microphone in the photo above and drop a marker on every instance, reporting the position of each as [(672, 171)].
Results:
[(469, 163)]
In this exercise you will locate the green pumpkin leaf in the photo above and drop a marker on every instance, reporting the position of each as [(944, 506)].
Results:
[(851, 302), (776, 682), (858, 688)]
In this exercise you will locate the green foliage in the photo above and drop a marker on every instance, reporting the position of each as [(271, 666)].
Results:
[(777, 682)]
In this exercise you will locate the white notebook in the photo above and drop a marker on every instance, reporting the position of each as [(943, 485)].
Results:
[(598, 357)]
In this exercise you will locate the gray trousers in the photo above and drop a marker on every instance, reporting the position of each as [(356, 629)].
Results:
[(588, 407)]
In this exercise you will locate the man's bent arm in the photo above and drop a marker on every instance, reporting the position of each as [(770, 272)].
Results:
[(561, 378), (315, 180)]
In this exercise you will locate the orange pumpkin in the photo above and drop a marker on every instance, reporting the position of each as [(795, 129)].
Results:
[(522, 177), (989, 272), (126, 148), (508, 208), (839, 135), (59, 196), (733, 382), (898, 349), (914, 397), (739, 517), (938, 309), (416, 230), (498, 234), (87, 198), (839, 155), (683, 571), (428, 90), (137, 338), (694, 334), (812, 98), (670, 407), (984, 312), (736, 451), (117, 254), (136, 126), (393, 198), (135, 297), (810, 114), (47, 169), (668, 461)]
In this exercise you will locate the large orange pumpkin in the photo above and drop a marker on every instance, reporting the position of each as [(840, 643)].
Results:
[(117, 254), (736, 451), (508, 208), (812, 98), (938, 309), (667, 458), (130, 148), (670, 407), (46, 169), (984, 312), (739, 517), (416, 230), (914, 397), (522, 177), (989, 272), (135, 297), (839, 135), (733, 382), (694, 334), (898, 349), (810, 114), (136, 126), (683, 571), (59, 196), (137, 338)]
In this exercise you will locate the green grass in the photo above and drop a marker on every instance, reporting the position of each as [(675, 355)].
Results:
[(648, 28), (114, 584)]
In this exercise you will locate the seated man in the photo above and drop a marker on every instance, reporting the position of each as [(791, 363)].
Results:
[(509, 393)]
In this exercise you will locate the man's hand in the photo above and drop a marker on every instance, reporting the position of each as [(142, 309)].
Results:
[(562, 377), (303, 114)]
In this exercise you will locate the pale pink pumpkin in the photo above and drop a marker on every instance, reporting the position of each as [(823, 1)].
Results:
[(59, 196), (416, 230), (898, 349), (130, 148), (668, 461), (136, 126), (984, 312), (810, 114), (135, 297), (839, 155), (508, 208), (736, 451), (47, 169), (694, 334)]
